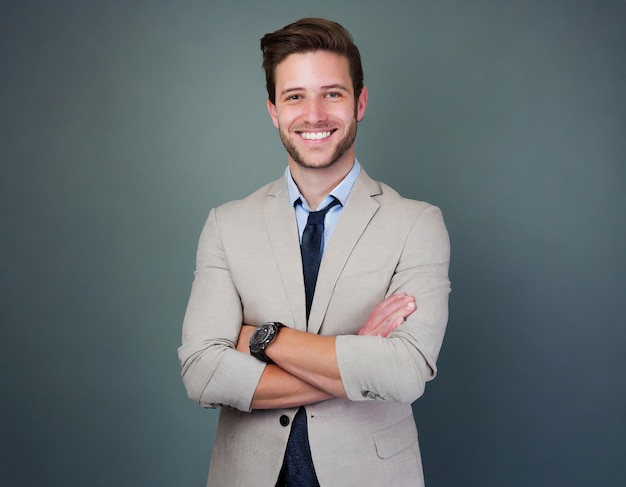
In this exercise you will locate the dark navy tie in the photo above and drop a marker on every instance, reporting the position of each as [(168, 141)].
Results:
[(298, 469), (311, 250)]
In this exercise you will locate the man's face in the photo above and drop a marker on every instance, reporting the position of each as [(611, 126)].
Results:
[(315, 111)]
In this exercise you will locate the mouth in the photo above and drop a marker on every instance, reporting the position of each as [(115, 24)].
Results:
[(316, 135)]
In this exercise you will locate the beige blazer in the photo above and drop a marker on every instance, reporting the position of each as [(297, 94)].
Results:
[(249, 271)]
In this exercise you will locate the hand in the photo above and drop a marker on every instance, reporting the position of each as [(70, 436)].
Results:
[(243, 343), (388, 315)]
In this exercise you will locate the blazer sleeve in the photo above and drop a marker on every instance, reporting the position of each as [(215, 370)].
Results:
[(213, 372), (397, 368)]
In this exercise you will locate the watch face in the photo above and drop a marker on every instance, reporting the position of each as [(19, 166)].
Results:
[(261, 335)]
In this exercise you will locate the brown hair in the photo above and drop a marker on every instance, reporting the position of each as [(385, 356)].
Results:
[(306, 35)]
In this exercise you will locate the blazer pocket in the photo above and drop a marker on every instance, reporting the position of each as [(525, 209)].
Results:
[(396, 438)]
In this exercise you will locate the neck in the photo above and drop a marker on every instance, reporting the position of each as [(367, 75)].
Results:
[(315, 184)]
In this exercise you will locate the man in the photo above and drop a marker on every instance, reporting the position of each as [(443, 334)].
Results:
[(315, 368)]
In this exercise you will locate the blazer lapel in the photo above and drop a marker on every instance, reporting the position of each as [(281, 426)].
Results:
[(283, 235), (354, 218)]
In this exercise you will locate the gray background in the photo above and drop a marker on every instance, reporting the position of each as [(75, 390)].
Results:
[(124, 122)]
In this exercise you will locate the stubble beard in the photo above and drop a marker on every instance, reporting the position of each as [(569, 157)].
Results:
[(342, 147)]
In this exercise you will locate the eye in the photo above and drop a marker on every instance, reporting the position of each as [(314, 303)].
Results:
[(333, 94)]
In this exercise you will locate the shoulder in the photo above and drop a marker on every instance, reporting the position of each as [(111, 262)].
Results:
[(254, 202), (419, 225), (392, 202)]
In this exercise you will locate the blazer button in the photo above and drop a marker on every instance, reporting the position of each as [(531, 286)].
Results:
[(284, 420)]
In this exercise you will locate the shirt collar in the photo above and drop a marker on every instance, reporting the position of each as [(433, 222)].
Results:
[(341, 191)]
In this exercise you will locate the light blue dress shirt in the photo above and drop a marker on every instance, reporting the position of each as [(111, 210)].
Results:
[(341, 192)]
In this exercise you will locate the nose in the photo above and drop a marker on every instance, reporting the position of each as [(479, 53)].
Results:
[(315, 111)]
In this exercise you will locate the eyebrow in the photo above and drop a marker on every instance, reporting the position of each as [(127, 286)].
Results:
[(335, 86)]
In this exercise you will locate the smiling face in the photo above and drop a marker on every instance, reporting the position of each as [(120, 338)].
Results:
[(316, 113)]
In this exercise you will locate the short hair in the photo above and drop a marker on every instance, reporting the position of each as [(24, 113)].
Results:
[(306, 35)]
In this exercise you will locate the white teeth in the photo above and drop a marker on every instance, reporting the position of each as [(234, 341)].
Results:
[(314, 135)]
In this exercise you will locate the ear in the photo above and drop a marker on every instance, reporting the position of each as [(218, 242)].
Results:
[(361, 104), (272, 109)]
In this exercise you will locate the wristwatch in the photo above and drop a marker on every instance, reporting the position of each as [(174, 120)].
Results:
[(262, 337)]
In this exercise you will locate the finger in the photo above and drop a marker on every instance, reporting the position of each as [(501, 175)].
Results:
[(391, 325), (390, 306), (404, 309), (396, 319), (386, 311)]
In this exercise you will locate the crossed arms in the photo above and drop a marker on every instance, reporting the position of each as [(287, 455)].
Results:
[(361, 357), (306, 367)]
